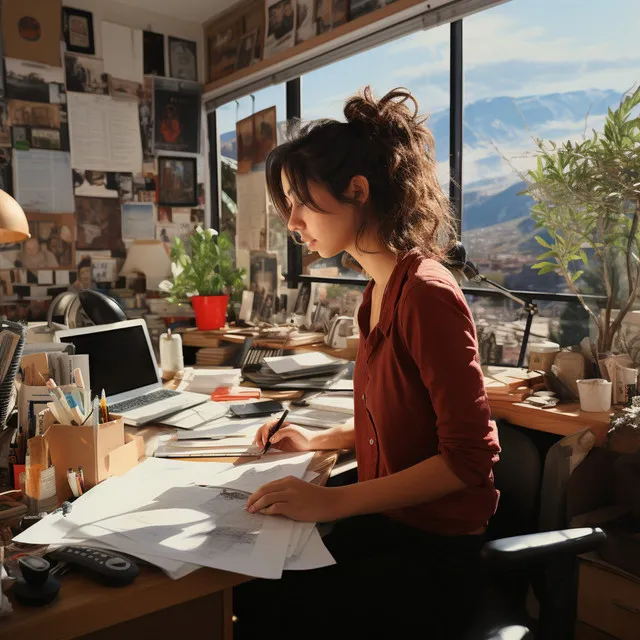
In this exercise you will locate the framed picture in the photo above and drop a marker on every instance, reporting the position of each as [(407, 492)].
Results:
[(153, 53), (183, 59), (77, 27), (177, 105), (178, 185)]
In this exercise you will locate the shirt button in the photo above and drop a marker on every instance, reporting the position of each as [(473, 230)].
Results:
[(371, 441), (363, 397)]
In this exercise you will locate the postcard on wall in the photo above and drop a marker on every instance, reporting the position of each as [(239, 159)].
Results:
[(177, 108), (122, 51), (222, 39), (265, 131), (52, 242), (42, 180), (138, 220), (85, 74), (32, 81), (125, 89), (244, 144), (99, 222), (26, 138), (77, 27), (183, 59), (168, 232), (105, 133), (280, 26), (33, 114), (93, 184), (305, 20), (31, 30), (153, 53), (145, 117)]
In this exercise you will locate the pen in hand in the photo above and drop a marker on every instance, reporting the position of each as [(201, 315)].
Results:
[(274, 430)]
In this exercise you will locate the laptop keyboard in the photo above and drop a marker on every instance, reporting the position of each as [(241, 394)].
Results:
[(143, 401)]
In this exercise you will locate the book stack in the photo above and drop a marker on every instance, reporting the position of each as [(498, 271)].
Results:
[(509, 384), (216, 356)]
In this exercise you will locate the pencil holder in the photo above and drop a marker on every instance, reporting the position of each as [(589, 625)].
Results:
[(102, 451)]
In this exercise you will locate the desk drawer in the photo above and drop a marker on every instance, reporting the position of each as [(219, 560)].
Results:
[(609, 602)]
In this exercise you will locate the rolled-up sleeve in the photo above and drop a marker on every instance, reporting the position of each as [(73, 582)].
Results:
[(441, 337)]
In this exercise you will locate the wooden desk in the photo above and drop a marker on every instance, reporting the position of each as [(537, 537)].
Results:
[(563, 420), (153, 606)]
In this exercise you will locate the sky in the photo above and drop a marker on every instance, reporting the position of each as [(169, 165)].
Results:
[(520, 48)]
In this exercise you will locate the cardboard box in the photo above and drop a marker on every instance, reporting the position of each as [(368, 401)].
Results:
[(102, 452)]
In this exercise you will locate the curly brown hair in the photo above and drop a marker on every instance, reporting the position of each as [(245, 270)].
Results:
[(386, 142)]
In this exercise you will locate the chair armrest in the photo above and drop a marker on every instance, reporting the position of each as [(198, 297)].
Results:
[(539, 547)]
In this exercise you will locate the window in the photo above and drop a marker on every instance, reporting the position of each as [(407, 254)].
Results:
[(419, 62), (241, 195), (533, 70)]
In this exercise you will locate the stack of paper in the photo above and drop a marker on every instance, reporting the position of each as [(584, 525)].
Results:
[(206, 380), (181, 516)]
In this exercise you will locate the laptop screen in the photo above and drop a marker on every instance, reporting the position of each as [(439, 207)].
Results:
[(119, 359)]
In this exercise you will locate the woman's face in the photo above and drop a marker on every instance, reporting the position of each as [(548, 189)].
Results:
[(329, 231)]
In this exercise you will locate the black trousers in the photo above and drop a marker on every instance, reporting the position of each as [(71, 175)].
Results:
[(390, 581)]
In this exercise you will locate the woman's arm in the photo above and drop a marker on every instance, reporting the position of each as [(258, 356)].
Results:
[(423, 482), (339, 437)]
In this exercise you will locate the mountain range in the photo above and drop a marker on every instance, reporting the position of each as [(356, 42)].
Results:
[(499, 143)]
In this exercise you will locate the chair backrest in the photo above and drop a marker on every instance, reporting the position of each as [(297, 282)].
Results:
[(517, 477)]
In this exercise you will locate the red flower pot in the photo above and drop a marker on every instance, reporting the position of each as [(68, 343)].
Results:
[(211, 311)]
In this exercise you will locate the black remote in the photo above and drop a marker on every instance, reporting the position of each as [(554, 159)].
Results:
[(105, 566)]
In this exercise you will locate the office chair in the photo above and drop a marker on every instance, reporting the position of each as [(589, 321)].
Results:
[(515, 557)]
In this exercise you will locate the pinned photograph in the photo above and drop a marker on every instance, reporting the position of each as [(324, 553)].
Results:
[(183, 61), (99, 223), (167, 233), (165, 215), (77, 27), (93, 184), (265, 134), (177, 110), (222, 48), (33, 114), (85, 75), (153, 53), (244, 144), (177, 182), (305, 20), (52, 243), (246, 50), (126, 89), (125, 186), (280, 26), (33, 81), (145, 112), (26, 138), (138, 220)]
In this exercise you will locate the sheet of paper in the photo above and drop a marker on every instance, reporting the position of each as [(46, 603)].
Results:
[(45, 276), (314, 555), (138, 220), (203, 414), (122, 51), (104, 133), (222, 427), (290, 364), (42, 181)]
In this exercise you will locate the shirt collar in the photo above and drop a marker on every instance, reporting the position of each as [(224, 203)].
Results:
[(393, 289)]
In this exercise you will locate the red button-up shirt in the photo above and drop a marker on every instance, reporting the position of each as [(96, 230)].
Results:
[(419, 392)]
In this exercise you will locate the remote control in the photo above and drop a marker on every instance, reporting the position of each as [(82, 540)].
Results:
[(106, 567)]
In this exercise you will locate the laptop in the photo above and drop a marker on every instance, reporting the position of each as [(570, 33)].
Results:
[(122, 362)]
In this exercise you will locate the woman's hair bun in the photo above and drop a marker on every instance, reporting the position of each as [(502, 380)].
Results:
[(390, 113)]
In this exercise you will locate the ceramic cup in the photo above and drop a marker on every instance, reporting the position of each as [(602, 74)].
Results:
[(542, 356), (595, 394)]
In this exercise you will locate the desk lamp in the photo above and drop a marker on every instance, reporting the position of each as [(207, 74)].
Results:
[(150, 258), (457, 261), (14, 227)]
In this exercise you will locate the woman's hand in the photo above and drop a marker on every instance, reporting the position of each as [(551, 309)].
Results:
[(297, 499), (289, 437)]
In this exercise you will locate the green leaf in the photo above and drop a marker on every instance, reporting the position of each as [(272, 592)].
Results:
[(543, 242)]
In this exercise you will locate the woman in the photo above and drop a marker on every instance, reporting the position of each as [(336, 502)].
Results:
[(408, 534)]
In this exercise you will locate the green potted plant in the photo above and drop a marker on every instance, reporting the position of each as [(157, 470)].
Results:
[(588, 200), (204, 275)]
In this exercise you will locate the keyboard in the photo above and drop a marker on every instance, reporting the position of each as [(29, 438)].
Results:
[(143, 401)]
